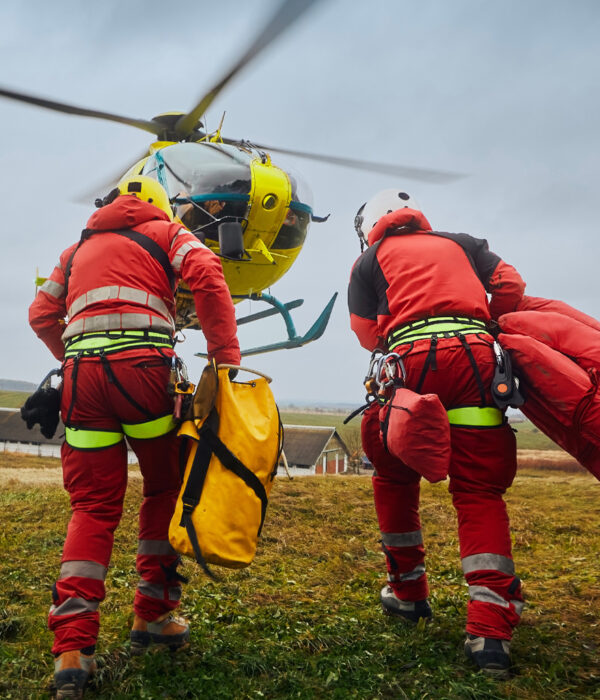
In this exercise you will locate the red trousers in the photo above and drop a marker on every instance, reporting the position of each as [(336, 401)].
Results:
[(96, 481), (483, 466)]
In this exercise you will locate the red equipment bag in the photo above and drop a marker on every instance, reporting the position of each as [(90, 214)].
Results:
[(555, 349), (415, 429)]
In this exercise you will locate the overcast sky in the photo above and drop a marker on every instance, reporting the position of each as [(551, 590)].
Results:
[(505, 91)]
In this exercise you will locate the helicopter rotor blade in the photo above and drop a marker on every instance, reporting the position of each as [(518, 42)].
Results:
[(102, 188), (152, 127), (422, 174), (285, 15)]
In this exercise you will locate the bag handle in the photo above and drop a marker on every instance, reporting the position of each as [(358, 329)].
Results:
[(246, 369)]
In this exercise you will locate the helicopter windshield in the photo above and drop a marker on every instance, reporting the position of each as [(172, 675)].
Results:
[(294, 228), (210, 183)]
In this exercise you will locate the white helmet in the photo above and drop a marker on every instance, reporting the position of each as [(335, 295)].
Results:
[(382, 203)]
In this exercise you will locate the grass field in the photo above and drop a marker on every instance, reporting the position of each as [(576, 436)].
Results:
[(12, 399), (303, 621)]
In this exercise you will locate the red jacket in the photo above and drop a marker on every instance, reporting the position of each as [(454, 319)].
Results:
[(115, 284), (410, 272)]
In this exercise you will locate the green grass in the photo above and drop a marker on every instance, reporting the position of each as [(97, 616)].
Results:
[(12, 399), (303, 621)]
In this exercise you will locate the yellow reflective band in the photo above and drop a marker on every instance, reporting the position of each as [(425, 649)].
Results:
[(126, 341), (469, 416), (418, 330), (150, 428), (84, 439)]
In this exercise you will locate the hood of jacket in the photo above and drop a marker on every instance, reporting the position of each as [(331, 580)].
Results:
[(127, 211), (410, 219)]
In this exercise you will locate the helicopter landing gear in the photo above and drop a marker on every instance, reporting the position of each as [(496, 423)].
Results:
[(293, 340)]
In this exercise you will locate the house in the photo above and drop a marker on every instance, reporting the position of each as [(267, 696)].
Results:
[(314, 449), (16, 437)]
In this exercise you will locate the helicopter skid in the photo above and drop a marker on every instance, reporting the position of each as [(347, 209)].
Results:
[(293, 340)]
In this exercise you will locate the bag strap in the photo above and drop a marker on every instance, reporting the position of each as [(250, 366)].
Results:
[(209, 443), (231, 462), (193, 491)]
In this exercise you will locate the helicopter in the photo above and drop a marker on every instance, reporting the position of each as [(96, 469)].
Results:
[(232, 196)]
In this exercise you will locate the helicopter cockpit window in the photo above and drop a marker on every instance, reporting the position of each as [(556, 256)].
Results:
[(207, 183), (294, 228)]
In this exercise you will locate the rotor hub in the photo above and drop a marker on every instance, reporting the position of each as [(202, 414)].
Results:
[(169, 120)]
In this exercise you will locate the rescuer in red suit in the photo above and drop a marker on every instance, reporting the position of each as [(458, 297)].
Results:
[(116, 289), (424, 295)]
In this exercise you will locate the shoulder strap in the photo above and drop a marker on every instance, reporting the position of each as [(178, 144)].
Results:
[(141, 239)]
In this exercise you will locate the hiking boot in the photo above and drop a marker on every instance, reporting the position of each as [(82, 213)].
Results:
[(491, 655), (167, 630), (409, 610), (71, 672)]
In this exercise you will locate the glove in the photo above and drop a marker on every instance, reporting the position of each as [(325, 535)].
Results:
[(233, 373), (42, 407)]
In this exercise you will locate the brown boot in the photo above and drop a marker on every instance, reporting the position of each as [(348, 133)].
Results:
[(71, 672), (167, 630)]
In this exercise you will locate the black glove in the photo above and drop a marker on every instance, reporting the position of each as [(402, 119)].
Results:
[(42, 407)]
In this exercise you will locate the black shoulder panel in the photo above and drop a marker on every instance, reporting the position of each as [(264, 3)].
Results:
[(482, 260), (367, 291)]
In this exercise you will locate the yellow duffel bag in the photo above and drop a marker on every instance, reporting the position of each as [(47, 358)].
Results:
[(236, 438)]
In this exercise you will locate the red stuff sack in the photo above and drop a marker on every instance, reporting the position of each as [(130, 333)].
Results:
[(415, 429)]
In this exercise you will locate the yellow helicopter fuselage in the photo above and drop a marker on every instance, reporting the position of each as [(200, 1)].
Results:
[(211, 182)]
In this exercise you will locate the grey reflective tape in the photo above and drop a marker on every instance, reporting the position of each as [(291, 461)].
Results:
[(74, 606), (488, 562), (183, 251), (485, 595), (114, 322), (174, 592), (128, 321), (136, 296), (413, 575), (402, 539), (477, 644), (54, 289), (84, 569), (158, 547), (519, 605), (157, 590)]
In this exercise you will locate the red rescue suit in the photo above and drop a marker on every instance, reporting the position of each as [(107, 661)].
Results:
[(116, 288), (412, 277)]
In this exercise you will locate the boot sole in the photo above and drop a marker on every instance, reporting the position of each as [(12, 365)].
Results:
[(141, 642), (499, 674), (400, 616)]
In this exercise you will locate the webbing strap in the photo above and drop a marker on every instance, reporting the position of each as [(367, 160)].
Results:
[(149, 429), (209, 444), (92, 344), (476, 416), (193, 491), (417, 330), (88, 439), (231, 462)]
